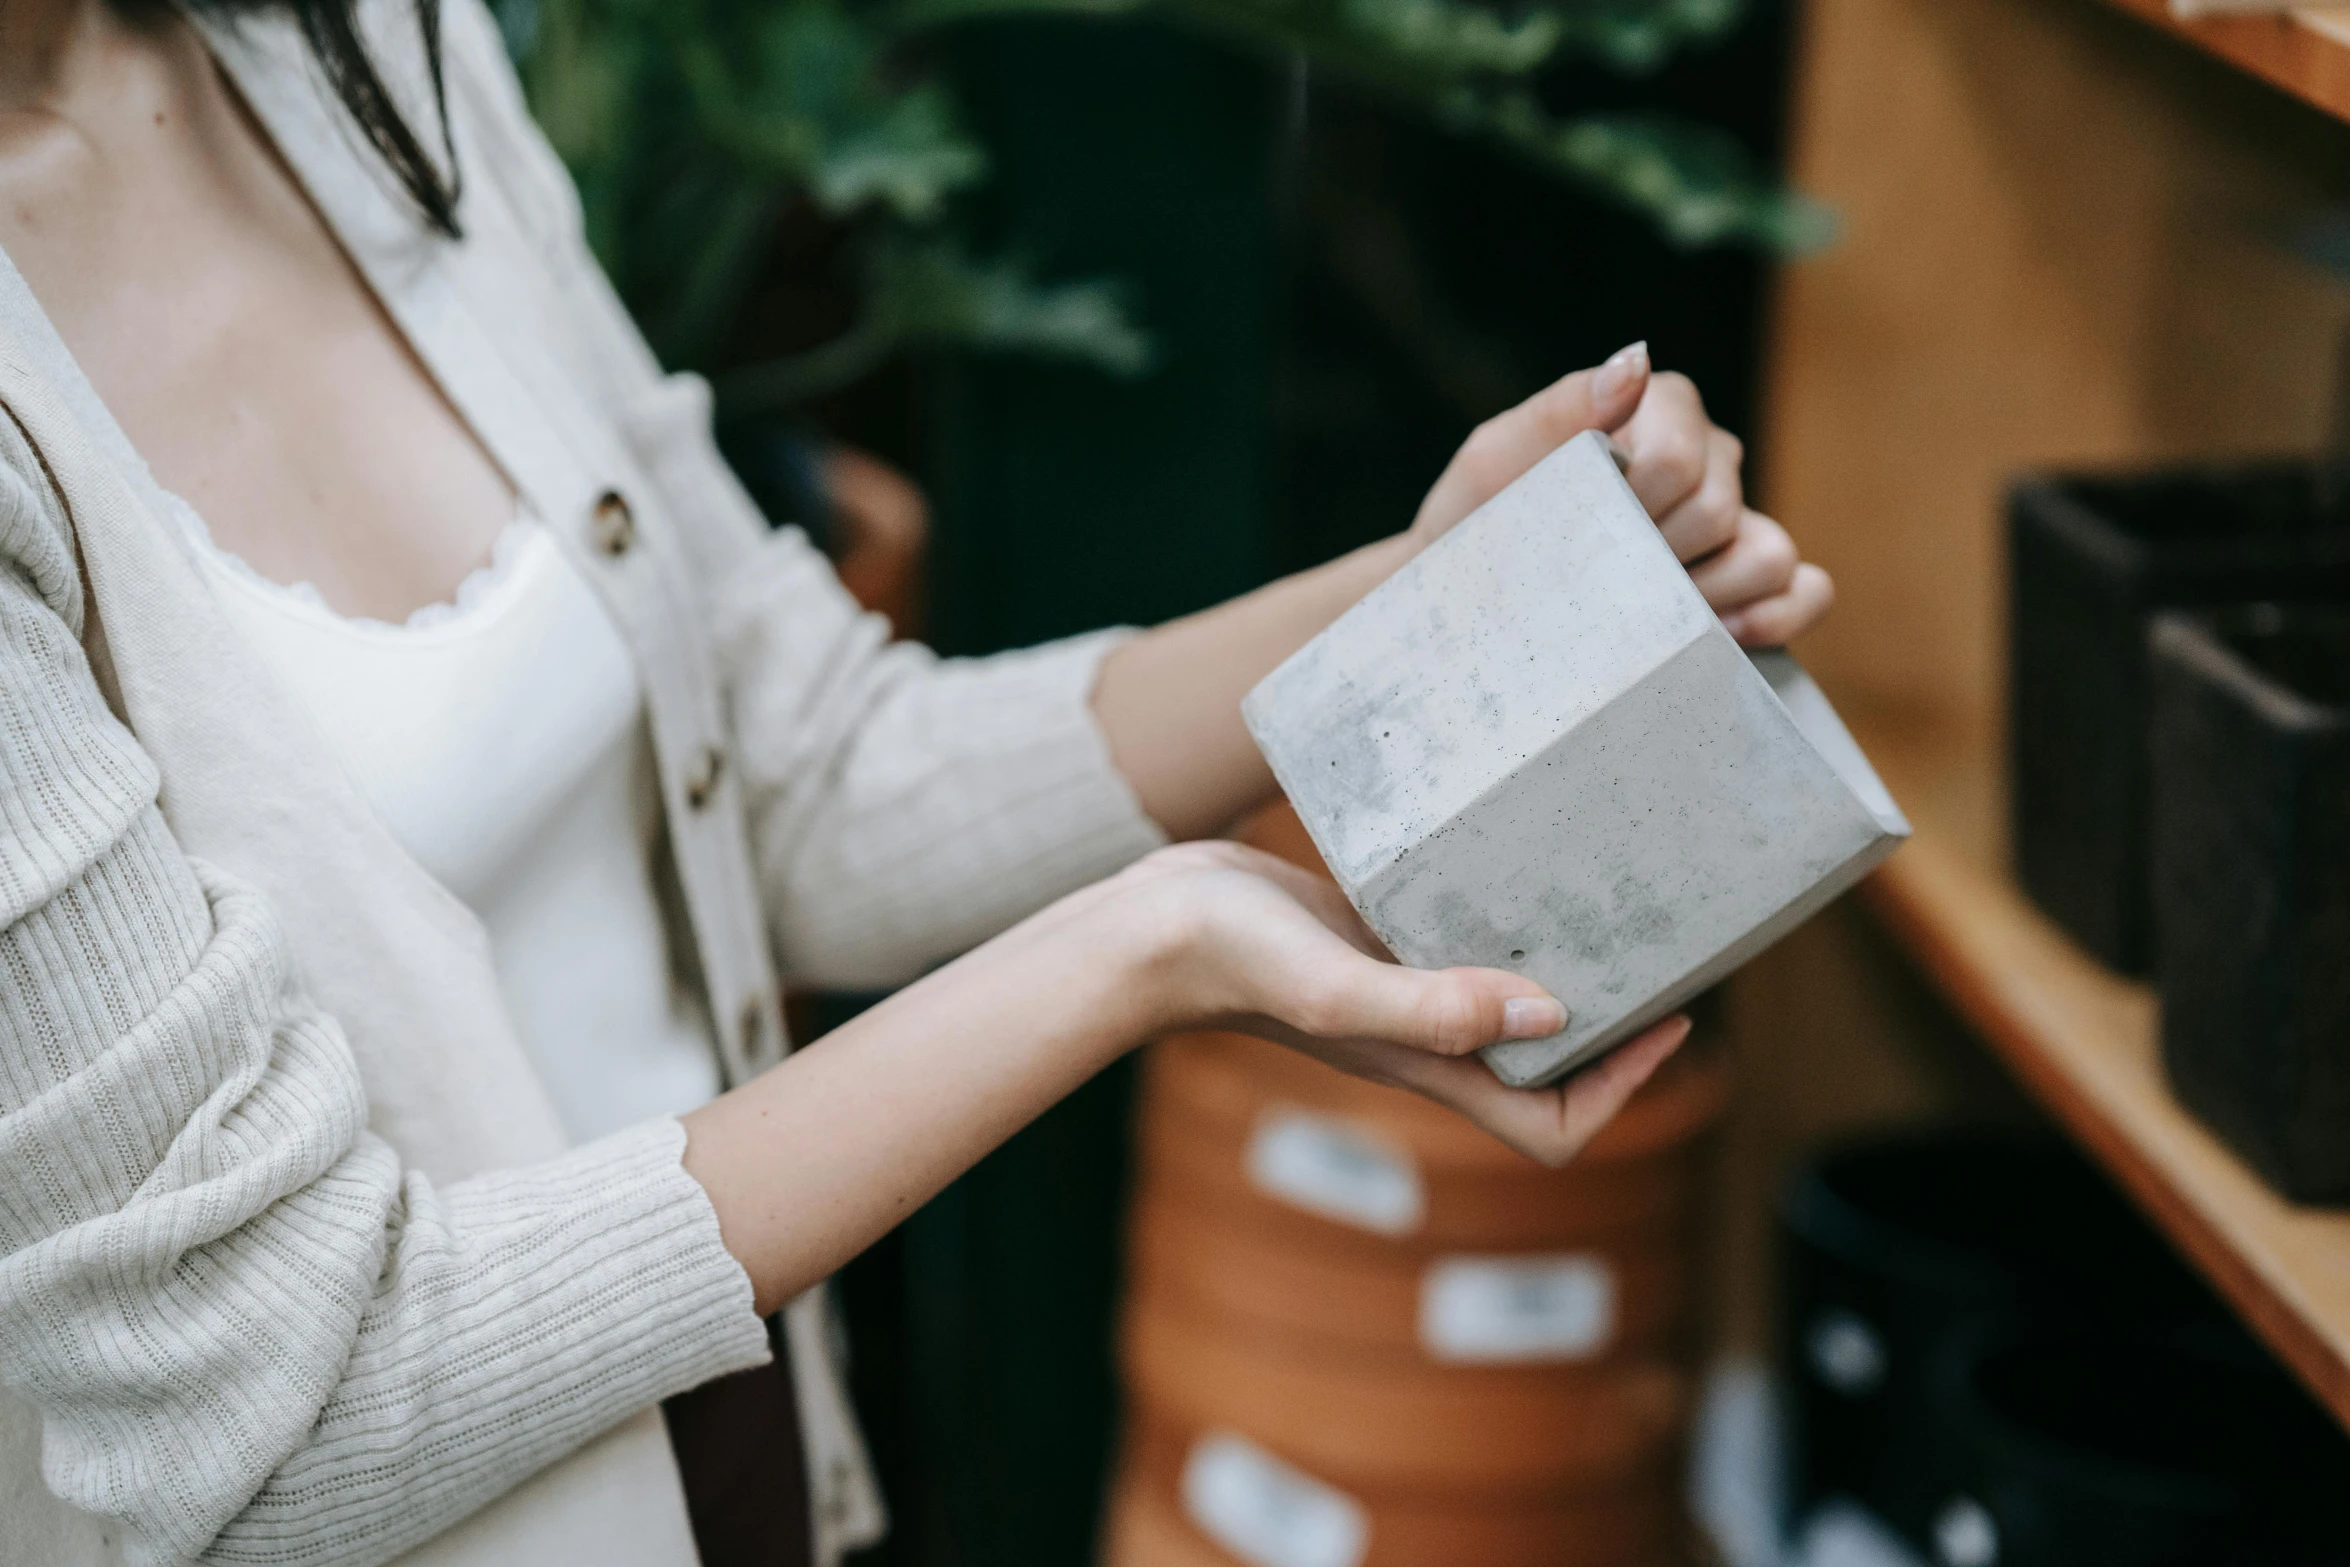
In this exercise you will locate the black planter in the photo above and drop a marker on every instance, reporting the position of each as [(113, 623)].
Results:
[(2092, 560), (2251, 817), (1897, 1248), (2136, 1447)]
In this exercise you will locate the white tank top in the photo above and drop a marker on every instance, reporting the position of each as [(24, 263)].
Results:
[(501, 738)]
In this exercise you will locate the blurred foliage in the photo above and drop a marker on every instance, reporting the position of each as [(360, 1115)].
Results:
[(692, 126)]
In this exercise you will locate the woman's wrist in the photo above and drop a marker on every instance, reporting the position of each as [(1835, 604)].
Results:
[(1133, 947), (1176, 941), (808, 1163), (1385, 557)]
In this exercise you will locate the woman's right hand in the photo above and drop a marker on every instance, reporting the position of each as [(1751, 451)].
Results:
[(1230, 937)]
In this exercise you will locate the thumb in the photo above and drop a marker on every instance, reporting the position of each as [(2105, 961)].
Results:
[(1603, 397), (1447, 1012), (1505, 446)]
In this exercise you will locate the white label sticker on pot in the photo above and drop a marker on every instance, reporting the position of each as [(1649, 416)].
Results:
[(1517, 1308), (1336, 1169), (1267, 1513)]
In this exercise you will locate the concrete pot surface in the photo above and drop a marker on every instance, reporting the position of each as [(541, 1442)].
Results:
[(1535, 748)]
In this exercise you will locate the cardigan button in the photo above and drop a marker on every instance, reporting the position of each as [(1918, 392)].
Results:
[(701, 784), (612, 523)]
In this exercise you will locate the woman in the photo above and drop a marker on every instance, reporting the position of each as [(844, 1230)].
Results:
[(418, 764)]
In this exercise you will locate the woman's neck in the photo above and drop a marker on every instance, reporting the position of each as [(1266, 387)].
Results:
[(185, 269), (39, 40)]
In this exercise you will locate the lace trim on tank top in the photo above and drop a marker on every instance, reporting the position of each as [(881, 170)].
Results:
[(478, 589)]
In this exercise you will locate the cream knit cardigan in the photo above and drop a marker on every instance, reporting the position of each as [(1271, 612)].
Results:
[(294, 1264)]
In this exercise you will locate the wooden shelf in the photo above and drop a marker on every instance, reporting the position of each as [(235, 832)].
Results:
[(2084, 1041), (2305, 52)]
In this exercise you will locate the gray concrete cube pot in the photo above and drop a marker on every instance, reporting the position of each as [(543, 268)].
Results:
[(1535, 748), (2092, 559), (2251, 817)]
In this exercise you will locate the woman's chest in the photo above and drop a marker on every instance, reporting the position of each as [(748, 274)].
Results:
[(473, 728), (232, 339)]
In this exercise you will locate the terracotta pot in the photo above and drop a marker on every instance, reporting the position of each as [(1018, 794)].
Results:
[(1277, 830), (1272, 1142), (1231, 1075), (1389, 1430), (1143, 1529), (1623, 1294), (1157, 1520)]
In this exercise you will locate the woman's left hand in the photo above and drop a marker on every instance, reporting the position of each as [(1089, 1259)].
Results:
[(1237, 939), (1684, 468)]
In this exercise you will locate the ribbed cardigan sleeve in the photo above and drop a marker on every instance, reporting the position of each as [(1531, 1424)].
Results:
[(252, 1335), (904, 806)]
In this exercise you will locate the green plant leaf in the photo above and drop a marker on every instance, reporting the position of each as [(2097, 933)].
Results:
[(1640, 35), (928, 293), (936, 294), (910, 158), (1444, 36), (1700, 185), (689, 125), (806, 100), (913, 16)]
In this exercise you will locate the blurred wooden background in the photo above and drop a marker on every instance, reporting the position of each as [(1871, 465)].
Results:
[(2070, 241)]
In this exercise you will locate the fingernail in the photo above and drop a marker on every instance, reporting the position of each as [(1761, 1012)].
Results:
[(1624, 366), (1531, 1017)]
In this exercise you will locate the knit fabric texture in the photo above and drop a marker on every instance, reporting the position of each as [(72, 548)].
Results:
[(254, 1337), (253, 1333)]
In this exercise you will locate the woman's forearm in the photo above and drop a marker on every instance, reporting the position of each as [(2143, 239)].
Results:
[(812, 1162), (820, 1157), (1169, 701)]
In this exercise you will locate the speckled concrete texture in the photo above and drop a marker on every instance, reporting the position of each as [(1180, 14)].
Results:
[(1535, 748)]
